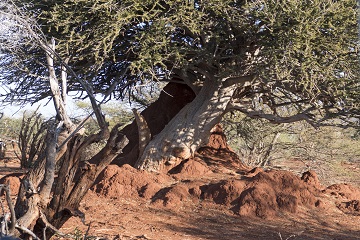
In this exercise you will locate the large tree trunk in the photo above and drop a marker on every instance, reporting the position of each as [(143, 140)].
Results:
[(171, 100), (188, 130)]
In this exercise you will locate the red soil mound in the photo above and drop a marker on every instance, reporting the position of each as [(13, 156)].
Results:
[(207, 179), (350, 207), (172, 197), (191, 167), (311, 178), (218, 153), (264, 194), (347, 197), (343, 191), (254, 172), (126, 181), (268, 193), (224, 192), (13, 180), (258, 194)]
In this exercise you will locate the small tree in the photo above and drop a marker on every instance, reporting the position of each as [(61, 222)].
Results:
[(10, 128), (256, 140), (31, 141), (259, 141), (42, 197)]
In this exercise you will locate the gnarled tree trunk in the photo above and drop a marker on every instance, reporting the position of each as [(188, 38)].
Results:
[(44, 199), (189, 129), (171, 100)]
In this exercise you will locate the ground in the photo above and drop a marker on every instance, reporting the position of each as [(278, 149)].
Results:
[(214, 196)]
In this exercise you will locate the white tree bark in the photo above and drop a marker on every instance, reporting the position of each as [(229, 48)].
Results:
[(189, 129), (59, 102)]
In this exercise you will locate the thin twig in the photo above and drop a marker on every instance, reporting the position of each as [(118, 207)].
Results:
[(291, 236), (44, 233), (75, 131), (87, 231)]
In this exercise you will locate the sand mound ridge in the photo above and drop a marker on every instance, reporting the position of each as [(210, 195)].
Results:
[(264, 194), (246, 192)]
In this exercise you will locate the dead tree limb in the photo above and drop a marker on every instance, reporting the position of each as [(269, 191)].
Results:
[(49, 225), (11, 208), (27, 231), (144, 131), (75, 177)]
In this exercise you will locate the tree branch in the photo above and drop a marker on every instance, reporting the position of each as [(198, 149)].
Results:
[(49, 225), (48, 181), (144, 131), (239, 80), (6, 188), (304, 115), (27, 231)]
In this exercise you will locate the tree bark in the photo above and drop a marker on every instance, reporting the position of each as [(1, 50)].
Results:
[(171, 100), (189, 129), (58, 199), (143, 131), (75, 179)]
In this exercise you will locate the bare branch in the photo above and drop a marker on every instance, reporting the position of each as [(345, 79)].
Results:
[(11, 208), (49, 225), (6, 188), (51, 140), (242, 81), (144, 131), (27, 231), (304, 115)]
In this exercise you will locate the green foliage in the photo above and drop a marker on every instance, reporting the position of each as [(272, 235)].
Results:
[(310, 42), (321, 148), (9, 128), (255, 140), (326, 144), (31, 139), (116, 114), (301, 54), (113, 111)]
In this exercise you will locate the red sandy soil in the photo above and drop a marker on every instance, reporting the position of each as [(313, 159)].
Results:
[(214, 196), (198, 203)]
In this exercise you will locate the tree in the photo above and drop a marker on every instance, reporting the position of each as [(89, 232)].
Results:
[(10, 128), (260, 142), (257, 140), (257, 57), (42, 197)]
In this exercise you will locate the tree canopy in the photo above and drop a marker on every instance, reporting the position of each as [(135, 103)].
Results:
[(302, 55)]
